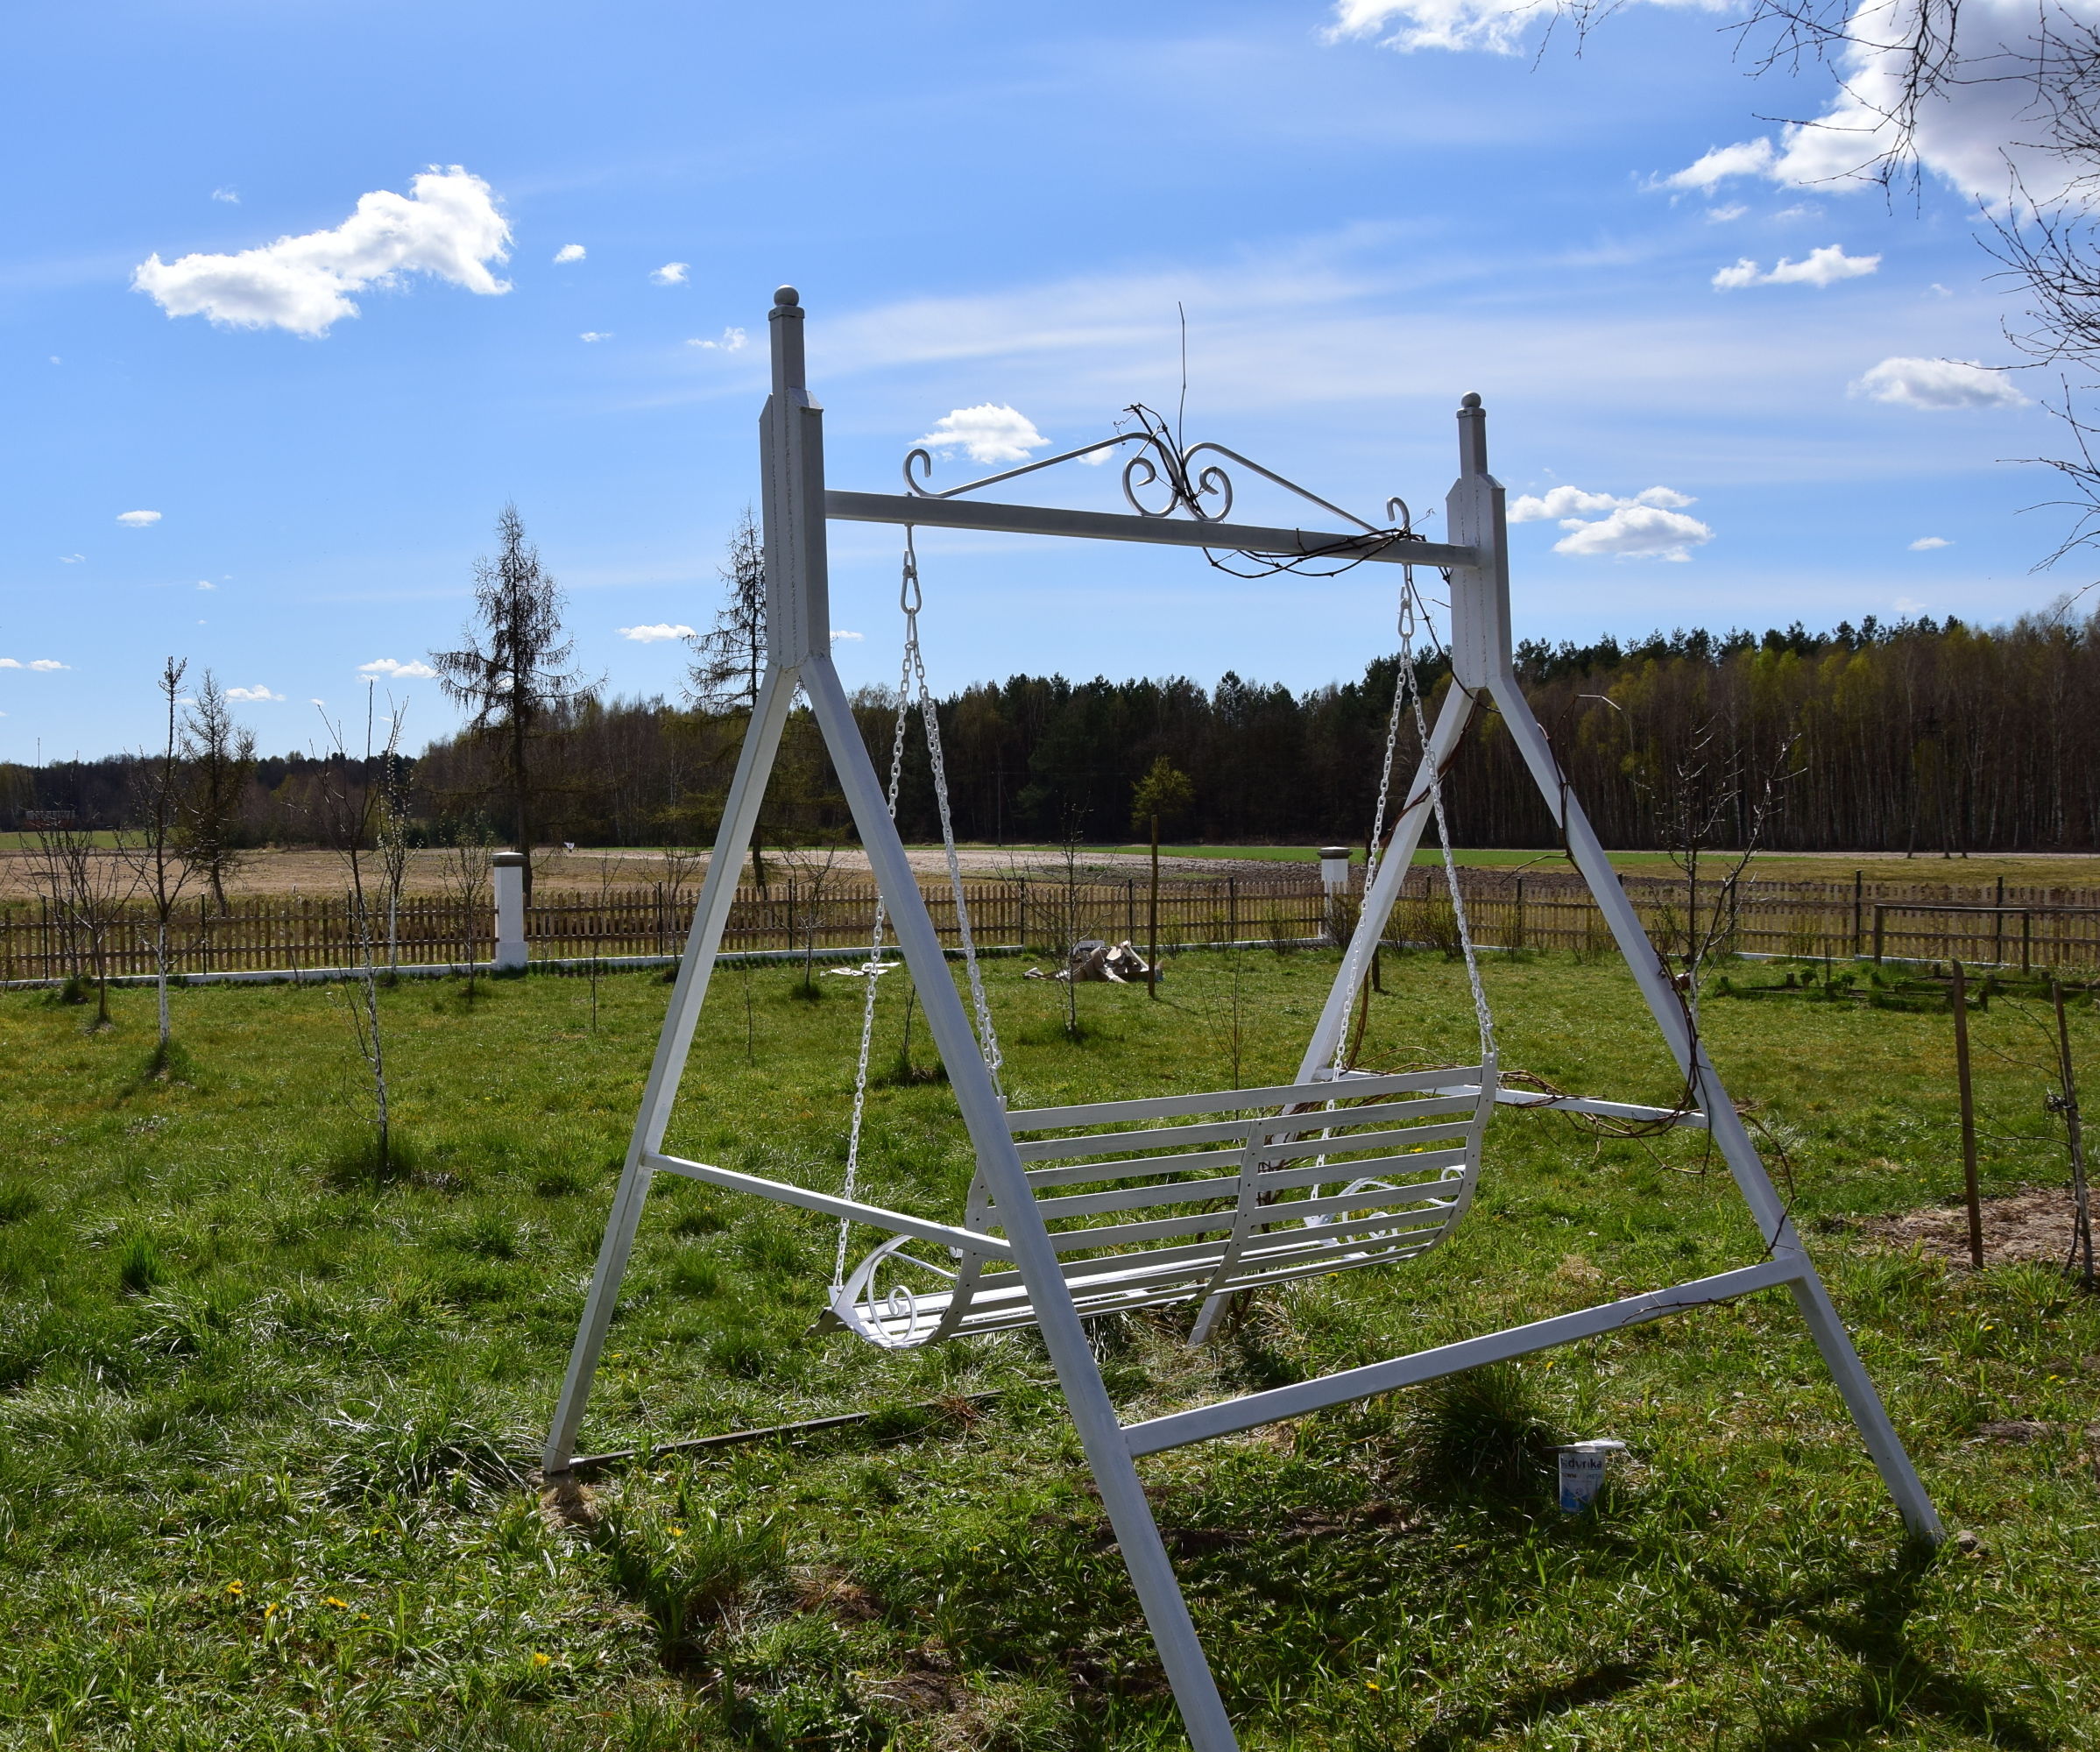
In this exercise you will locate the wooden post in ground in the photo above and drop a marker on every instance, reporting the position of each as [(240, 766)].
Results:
[(1152, 920), (1968, 1120), (2081, 1220)]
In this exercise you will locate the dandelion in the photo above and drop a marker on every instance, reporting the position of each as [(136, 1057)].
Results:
[(677, 1532), (1373, 1685), (235, 1589), (270, 1611), (340, 1604), (540, 1660)]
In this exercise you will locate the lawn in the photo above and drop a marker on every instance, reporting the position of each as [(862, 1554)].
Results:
[(266, 1421)]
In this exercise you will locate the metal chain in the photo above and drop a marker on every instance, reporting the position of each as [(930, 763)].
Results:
[(1407, 696), (987, 1039), (912, 689), (871, 970), (1385, 786), (1482, 1015)]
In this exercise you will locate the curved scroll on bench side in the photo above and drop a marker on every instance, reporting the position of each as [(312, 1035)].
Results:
[(1264, 1186)]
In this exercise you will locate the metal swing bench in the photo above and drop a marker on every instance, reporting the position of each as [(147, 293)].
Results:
[(1141, 1213), (1076, 1211)]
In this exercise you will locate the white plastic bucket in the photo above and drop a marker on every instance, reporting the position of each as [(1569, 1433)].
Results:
[(1582, 1473)]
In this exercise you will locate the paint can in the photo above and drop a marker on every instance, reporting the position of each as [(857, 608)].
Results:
[(1582, 1473)]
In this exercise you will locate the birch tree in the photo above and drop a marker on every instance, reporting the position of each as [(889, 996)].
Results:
[(155, 852)]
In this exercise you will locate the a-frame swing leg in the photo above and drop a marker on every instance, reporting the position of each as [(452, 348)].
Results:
[(1724, 1124), (1085, 1395), (711, 917)]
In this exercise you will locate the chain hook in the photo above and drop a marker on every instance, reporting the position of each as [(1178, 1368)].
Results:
[(910, 597)]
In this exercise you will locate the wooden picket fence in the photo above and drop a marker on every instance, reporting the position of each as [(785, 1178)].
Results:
[(1536, 909)]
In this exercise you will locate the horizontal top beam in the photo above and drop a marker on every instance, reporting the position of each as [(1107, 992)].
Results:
[(1100, 526)]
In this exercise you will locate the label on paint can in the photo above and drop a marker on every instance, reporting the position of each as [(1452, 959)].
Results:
[(1582, 1473)]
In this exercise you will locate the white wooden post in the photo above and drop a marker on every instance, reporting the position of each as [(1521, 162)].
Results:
[(509, 875)]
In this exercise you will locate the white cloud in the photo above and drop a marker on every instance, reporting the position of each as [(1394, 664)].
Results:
[(1924, 544), (71, 559), (411, 671), (1722, 215), (1820, 267), (1908, 605), (446, 225), (732, 341), (988, 433), (671, 273), (596, 334), (43, 664), (251, 694), (568, 252), (656, 634), (1973, 134), (1496, 26), (1568, 501), (230, 196), (206, 584), (1634, 531), (1751, 158), (317, 703), (839, 633), (1937, 384), (139, 519)]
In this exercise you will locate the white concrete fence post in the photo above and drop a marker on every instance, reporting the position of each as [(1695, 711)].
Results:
[(511, 953), (1334, 883)]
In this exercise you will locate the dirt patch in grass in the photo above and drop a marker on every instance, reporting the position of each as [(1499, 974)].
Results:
[(2033, 1225)]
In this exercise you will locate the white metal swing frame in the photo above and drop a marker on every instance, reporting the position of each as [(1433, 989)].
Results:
[(797, 507)]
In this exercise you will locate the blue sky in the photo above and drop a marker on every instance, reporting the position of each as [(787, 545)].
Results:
[(983, 205)]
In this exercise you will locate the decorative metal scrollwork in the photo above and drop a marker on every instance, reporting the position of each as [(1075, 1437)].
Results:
[(1199, 489), (891, 1316)]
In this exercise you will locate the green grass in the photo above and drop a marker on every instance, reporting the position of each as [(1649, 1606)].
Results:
[(265, 1423)]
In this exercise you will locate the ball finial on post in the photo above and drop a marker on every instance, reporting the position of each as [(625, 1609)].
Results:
[(787, 298), (1472, 435)]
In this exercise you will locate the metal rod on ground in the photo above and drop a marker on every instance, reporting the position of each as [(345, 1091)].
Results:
[(2082, 1220), (1968, 1120), (729, 1438)]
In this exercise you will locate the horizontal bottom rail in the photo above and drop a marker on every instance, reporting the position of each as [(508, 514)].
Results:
[(1295, 1401), (874, 1216)]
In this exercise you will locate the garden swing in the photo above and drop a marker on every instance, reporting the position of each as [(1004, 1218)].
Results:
[(1075, 1212), (1237, 1190)]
